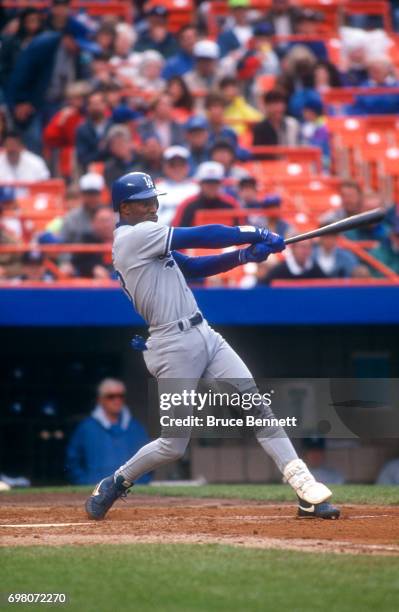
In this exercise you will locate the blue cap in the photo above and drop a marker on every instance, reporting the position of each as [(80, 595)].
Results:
[(7, 194), (123, 113), (196, 123), (80, 32), (131, 187)]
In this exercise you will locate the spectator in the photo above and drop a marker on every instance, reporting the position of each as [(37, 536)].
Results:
[(79, 221), (277, 128), (237, 112), (125, 61), (262, 45), (197, 139), (105, 38), (351, 202), (313, 130), (388, 251), (283, 17), (183, 61), (150, 160), (298, 265), (91, 135), (18, 164), (160, 124), (355, 71), (376, 231), (58, 16), (102, 79), (248, 195), (156, 36), (224, 153), (97, 265), (106, 439), (334, 261), (34, 268), (36, 88), (381, 74), (314, 455), (308, 25), (149, 72), (9, 262), (176, 184), (215, 105), (11, 221), (122, 157), (29, 25), (182, 99), (60, 132), (237, 31), (389, 474), (210, 176), (324, 76), (274, 221), (205, 72)]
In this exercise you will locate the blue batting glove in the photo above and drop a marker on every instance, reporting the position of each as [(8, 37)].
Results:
[(274, 241), (255, 253)]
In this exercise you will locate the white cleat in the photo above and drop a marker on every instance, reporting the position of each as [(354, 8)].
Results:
[(297, 474)]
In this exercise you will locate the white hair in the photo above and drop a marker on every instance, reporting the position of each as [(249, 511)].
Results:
[(108, 382)]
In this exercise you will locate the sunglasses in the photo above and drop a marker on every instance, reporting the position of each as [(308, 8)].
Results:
[(112, 396)]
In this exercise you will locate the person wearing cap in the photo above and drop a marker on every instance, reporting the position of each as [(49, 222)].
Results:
[(388, 251), (37, 85), (156, 35), (78, 222), (206, 69), (314, 455), (282, 15), (237, 32), (210, 176), (298, 264), (238, 113), (91, 135), (160, 123), (313, 130), (122, 157), (176, 184), (197, 139), (19, 164), (183, 61)]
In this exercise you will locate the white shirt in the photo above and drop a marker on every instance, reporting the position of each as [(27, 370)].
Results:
[(149, 275), (30, 168), (175, 194)]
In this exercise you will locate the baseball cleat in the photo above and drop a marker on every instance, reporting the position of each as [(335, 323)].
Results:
[(104, 495), (323, 510), (297, 474)]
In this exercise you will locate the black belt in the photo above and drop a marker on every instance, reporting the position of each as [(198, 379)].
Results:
[(194, 320)]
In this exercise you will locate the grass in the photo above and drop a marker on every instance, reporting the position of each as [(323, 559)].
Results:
[(343, 494), (201, 578)]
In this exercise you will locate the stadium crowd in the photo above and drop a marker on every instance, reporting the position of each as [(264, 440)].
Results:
[(86, 99)]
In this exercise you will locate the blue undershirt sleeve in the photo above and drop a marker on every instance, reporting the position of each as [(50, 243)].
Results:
[(213, 236), (199, 267)]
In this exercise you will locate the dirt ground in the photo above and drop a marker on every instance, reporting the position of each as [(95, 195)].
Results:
[(59, 519)]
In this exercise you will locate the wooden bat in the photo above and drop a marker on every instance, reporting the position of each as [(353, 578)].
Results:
[(371, 216)]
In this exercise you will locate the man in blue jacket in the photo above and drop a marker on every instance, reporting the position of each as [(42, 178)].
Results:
[(105, 439)]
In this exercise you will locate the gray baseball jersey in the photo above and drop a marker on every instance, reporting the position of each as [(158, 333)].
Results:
[(149, 274)]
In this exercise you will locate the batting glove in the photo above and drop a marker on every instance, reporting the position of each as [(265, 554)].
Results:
[(274, 241), (255, 253)]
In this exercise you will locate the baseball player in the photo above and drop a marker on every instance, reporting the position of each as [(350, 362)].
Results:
[(153, 273)]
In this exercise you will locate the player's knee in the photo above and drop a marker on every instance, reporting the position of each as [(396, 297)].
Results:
[(173, 448)]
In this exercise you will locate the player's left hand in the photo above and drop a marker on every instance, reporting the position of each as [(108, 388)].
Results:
[(274, 241)]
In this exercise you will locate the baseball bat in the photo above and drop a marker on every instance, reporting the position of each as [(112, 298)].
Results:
[(371, 216)]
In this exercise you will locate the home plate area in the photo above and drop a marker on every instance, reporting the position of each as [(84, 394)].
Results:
[(57, 519)]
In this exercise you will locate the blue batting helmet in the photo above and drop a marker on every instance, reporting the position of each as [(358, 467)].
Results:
[(133, 186)]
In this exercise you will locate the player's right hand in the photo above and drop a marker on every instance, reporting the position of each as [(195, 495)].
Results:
[(257, 253)]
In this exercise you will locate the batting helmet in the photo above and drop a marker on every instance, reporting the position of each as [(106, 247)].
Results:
[(133, 186)]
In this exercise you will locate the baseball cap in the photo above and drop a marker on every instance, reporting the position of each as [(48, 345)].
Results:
[(196, 123), (91, 182), (176, 151), (80, 33), (206, 49), (210, 171)]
